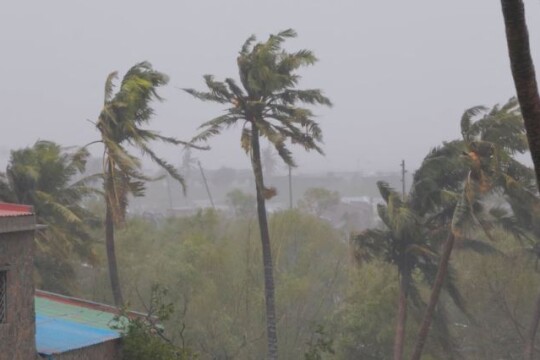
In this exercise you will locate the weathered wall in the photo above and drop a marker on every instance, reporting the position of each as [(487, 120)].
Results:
[(109, 350), (17, 334)]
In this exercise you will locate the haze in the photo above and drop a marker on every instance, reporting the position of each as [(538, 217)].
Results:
[(400, 73)]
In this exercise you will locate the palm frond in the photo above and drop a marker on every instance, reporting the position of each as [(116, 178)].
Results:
[(109, 86), (479, 246), (369, 244), (266, 95), (171, 170), (65, 212), (467, 119)]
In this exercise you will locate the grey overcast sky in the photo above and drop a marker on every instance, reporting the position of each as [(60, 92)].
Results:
[(399, 72)]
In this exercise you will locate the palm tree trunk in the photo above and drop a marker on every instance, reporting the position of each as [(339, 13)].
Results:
[(434, 298), (271, 331), (111, 257), (399, 339), (517, 38), (531, 334)]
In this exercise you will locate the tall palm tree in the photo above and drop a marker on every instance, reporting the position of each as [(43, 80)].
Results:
[(49, 177), (524, 75), (120, 125), (523, 72), (489, 145), (266, 105)]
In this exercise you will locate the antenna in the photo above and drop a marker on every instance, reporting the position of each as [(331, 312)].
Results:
[(290, 189), (403, 172)]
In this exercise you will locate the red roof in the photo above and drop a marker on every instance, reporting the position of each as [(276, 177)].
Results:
[(7, 210)]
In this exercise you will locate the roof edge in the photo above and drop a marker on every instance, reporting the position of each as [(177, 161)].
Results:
[(69, 300), (18, 223)]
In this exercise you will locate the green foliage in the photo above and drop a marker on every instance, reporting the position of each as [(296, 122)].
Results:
[(501, 292), (364, 324), (319, 344), (143, 337), (211, 265), (49, 177)]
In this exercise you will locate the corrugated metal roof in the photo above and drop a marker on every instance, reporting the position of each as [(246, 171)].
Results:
[(64, 324), (8, 210)]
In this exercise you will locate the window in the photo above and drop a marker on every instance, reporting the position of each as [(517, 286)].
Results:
[(3, 296)]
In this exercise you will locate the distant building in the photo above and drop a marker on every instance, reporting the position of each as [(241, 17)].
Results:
[(352, 214), (38, 324)]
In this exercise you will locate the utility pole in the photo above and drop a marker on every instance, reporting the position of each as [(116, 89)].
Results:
[(206, 185), (168, 183), (290, 189), (403, 172)]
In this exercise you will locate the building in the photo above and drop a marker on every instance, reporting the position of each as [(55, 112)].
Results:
[(73, 329), (17, 318), (40, 325)]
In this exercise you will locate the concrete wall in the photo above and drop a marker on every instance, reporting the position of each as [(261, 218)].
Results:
[(17, 333)]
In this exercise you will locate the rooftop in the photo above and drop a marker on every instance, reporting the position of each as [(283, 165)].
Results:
[(9, 210), (64, 323), (16, 218)]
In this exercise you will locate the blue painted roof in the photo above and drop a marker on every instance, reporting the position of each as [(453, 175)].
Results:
[(55, 336), (64, 324)]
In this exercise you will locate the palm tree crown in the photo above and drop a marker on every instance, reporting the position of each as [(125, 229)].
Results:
[(120, 124), (267, 98)]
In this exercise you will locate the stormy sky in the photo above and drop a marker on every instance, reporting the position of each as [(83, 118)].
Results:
[(400, 73)]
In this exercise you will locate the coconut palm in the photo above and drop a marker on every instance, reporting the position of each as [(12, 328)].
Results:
[(488, 166), (405, 242), (49, 177), (265, 104), (120, 124), (408, 241)]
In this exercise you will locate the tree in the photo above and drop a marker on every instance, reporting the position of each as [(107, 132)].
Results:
[(397, 245), (265, 104), (241, 203), (45, 176), (487, 166), (523, 72), (144, 337), (319, 200), (405, 242), (120, 125)]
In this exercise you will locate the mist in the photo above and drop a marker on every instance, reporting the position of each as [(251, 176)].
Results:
[(399, 74)]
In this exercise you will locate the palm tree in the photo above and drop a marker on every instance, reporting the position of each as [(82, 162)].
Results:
[(120, 125), (265, 104), (488, 165), (524, 75), (403, 243), (523, 72), (407, 240), (45, 176)]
